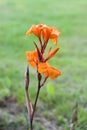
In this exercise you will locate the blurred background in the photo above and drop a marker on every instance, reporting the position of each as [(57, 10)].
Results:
[(59, 96)]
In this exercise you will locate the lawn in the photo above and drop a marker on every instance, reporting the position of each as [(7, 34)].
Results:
[(59, 96)]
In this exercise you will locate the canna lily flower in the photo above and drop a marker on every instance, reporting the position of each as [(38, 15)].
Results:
[(47, 70), (43, 67), (35, 57), (46, 32), (50, 33)]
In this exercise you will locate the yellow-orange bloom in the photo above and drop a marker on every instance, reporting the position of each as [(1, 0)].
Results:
[(33, 57), (43, 67), (46, 32), (47, 70), (50, 33)]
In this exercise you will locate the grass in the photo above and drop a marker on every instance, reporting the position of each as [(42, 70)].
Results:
[(68, 16)]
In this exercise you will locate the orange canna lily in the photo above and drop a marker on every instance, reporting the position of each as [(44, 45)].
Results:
[(33, 57), (36, 58), (47, 70), (50, 33), (46, 32), (43, 67)]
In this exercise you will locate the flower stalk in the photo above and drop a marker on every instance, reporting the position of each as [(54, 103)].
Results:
[(38, 60)]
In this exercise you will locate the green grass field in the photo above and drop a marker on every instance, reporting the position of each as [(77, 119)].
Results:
[(59, 95)]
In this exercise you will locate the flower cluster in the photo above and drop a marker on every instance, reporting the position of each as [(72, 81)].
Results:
[(37, 58)]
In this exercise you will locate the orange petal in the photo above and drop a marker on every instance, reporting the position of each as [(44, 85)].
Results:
[(53, 73), (33, 64), (46, 33), (54, 40), (35, 29), (51, 54), (32, 58), (32, 55), (42, 67), (54, 35), (30, 31), (47, 70)]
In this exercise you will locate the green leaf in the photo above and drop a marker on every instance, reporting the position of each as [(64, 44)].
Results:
[(50, 89)]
